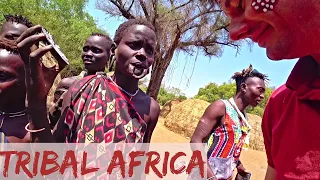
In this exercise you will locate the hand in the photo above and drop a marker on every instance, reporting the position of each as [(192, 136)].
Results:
[(39, 78), (242, 171)]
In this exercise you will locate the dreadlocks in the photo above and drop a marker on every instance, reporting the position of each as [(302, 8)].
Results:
[(241, 77), (18, 19)]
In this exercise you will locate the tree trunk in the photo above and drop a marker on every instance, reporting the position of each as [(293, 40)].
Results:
[(157, 74)]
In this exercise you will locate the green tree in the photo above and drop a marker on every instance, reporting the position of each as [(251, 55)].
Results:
[(168, 94), (181, 25), (66, 20), (213, 92)]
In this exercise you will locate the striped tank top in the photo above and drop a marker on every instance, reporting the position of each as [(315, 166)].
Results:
[(225, 143)]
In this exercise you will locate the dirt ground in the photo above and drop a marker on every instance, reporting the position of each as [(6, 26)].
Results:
[(254, 161)]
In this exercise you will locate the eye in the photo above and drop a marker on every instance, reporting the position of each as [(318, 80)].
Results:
[(261, 90), (150, 50), (5, 76), (85, 49), (10, 37), (134, 44), (96, 50)]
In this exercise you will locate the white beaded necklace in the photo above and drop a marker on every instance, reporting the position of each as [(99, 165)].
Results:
[(129, 94)]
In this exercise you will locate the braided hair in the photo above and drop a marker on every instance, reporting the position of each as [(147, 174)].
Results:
[(18, 19), (241, 77)]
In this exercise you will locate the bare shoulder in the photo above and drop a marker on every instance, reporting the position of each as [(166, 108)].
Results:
[(154, 106), (215, 109)]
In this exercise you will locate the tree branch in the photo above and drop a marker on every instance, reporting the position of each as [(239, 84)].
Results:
[(205, 43), (223, 27), (125, 13), (191, 27), (176, 8), (144, 8), (173, 46), (130, 6), (199, 15)]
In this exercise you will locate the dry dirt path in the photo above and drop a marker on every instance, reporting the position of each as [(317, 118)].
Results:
[(254, 161)]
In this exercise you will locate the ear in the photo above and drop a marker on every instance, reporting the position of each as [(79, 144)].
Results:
[(243, 87), (113, 49)]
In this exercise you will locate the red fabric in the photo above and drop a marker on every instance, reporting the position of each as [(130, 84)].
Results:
[(100, 112), (291, 124)]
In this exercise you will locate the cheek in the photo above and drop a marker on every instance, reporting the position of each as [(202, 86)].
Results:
[(11, 86), (100, 57), (256, 93), (150, 61)]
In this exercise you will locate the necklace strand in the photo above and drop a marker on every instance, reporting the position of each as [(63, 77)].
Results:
[(129, 94), (14, 114)]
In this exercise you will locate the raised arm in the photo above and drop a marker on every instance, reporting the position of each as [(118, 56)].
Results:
[(39, 79)]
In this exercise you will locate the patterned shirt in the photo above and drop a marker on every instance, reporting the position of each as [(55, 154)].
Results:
[(225, 143)]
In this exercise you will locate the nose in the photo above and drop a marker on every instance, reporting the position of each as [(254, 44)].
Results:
[(87, 54), (141, 55), (238, 29), (262, 96)]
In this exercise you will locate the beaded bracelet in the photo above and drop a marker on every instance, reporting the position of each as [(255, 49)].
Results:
[(33, 131)]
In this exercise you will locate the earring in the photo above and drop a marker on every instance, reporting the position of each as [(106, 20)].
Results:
[(263, 5)]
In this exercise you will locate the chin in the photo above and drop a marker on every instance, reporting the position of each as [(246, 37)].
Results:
[(276, 55), (254, 105)]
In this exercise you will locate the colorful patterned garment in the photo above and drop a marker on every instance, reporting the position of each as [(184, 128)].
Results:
[(226, 142), (54, 112), (100, 112)]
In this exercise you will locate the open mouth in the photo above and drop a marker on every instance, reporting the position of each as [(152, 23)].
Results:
[(138, 70), (139, 65)]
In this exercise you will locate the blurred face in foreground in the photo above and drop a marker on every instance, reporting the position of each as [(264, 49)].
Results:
[(286, 28)]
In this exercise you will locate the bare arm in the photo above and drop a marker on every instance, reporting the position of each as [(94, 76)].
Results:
[(271, 174), (154, 116), (208, 121), (39, 79)]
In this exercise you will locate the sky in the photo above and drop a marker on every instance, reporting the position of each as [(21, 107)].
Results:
[(189, 75)]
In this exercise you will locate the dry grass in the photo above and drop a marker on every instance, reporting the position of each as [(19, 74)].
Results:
[(166, 109), (256, 137), (184, 117)]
